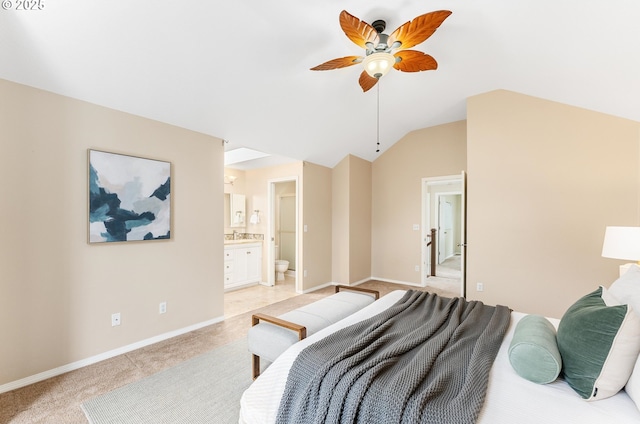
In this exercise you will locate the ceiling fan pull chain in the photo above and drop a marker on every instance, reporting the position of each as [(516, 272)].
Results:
[(378, 130)]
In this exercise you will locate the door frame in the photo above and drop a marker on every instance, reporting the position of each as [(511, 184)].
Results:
[(428, 182), (271, 231)]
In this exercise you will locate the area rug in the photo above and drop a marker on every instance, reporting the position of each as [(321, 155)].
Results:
[(204, 389)]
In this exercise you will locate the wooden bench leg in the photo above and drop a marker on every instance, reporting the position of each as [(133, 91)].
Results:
[(256, 366), (255, 319)]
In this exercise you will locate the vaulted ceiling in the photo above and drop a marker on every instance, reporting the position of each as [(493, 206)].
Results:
[(239, 70)]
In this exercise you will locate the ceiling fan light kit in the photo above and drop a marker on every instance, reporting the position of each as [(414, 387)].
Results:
[(382, 51), (378, 65)]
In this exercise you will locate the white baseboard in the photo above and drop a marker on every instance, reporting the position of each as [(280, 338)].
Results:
[(357, 283), (101, 357), (386, 280), (318, 287)]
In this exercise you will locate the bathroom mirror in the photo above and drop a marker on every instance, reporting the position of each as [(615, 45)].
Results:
[(237, 213)]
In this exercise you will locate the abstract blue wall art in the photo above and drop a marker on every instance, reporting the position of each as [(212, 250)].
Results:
[(129, 198)]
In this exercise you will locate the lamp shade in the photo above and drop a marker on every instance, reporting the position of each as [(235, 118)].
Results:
[(622, 243), (378, 64)]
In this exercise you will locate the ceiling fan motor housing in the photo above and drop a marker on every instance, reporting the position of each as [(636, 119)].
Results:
[(379, 25)]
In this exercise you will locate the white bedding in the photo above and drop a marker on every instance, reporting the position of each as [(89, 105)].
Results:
[(510, 398)]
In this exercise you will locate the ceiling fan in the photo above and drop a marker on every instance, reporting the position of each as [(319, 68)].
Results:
[(386, 51)]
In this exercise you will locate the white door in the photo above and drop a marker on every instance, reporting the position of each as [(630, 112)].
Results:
[(254, 263), (241, 265), (445, 229)]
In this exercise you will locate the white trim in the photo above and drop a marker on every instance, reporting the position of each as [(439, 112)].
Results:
[(329, 284), (101, 357), (333, 283), (357, 283), (386, 280), (445, 179)]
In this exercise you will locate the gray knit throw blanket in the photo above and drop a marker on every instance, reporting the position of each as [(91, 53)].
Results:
[(426, 359)]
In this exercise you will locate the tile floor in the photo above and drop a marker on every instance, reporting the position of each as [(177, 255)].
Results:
[(250, 298)]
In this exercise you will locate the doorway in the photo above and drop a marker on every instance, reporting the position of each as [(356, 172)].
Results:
[(282, 232), (443, 209), (286, 229)]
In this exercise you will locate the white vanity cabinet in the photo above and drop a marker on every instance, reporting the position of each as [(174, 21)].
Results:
[(242, 264)]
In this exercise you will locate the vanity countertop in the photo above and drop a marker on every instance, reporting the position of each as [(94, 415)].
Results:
[(242, 241)]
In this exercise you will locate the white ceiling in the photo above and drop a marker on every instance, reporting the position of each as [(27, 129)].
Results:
[(239, 70)]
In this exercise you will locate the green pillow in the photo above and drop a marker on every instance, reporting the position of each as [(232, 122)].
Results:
[(533, 351), (599, 341)]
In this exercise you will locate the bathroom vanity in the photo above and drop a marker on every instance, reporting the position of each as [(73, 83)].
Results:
[(242, 263)]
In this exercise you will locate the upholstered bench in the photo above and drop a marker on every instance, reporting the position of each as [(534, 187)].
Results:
[(269, 338)]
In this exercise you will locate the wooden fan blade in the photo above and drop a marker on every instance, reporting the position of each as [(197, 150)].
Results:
[(415, 32), (414, 61), (358, 31), (367, 81), (342, 62)]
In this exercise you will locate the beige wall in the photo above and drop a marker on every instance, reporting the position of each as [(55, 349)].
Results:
[(316, 212), (340, 222), (57, 291), (360, 220), (351, 196), (544, 180), (397, 195)]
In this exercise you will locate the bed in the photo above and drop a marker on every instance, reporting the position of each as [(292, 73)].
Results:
[(509, 397)]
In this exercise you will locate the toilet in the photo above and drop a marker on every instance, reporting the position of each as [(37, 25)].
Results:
[(281, 267)]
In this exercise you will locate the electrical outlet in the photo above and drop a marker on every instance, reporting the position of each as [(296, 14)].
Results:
[(418, 268), (162, 308), (115, 319), (480, 287), (305, 273), (416, 227)]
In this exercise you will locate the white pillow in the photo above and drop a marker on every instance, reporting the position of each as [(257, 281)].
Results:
[(627, 341), (626, 290), (633, 385)]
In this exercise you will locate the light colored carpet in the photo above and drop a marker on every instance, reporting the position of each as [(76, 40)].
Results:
[(450, 268), (204, 389), (448, 276)]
